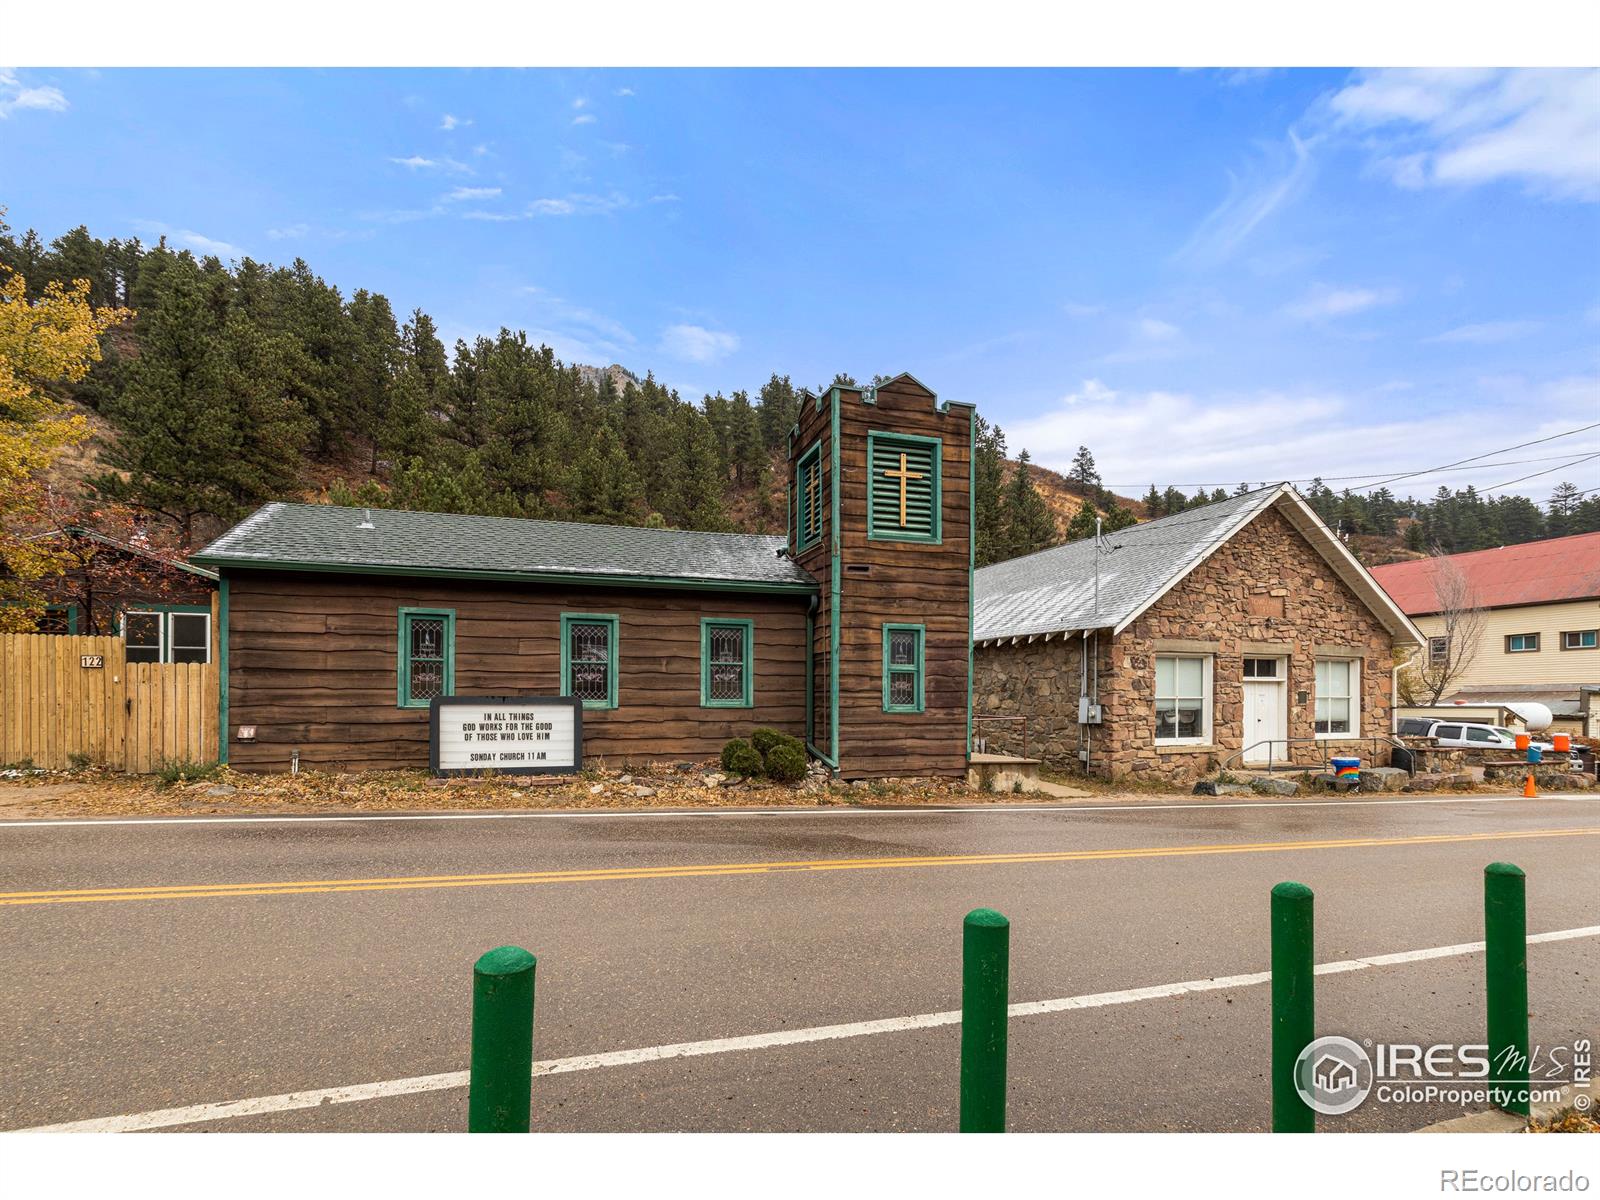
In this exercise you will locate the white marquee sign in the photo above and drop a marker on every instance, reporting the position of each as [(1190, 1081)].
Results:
[(506, 735)]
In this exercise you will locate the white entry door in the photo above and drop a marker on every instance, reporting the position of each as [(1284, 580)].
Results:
[(1266, 710)]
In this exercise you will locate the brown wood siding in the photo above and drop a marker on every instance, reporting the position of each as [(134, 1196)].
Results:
[(893, 582), (312, 662), (914, 583)]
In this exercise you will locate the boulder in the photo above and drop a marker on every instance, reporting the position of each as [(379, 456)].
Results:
[(1423, 783), (1266, 785), (642, 791), (1576, 782), (713, 779), (1383, 779), (221, 789), (1212, 787)]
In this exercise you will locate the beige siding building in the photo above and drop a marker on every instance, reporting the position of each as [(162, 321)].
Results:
[(1517, 624)]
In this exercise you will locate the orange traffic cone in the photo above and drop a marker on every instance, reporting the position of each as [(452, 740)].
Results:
[(1528, 788)]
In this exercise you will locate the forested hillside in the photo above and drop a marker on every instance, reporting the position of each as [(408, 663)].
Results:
[(233, 384)]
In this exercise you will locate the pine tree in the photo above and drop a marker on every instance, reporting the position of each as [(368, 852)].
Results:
[(1562, 506), (604, 487), (375, 362), (1152, 504), (1173, 501), (1117, 517), (696, 498), (1029, 525), (1084, 473), (1082, 524), (988, 476), (778, 408), (206, 425)]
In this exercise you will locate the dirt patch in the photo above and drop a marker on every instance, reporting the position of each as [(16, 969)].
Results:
[(224, 792)]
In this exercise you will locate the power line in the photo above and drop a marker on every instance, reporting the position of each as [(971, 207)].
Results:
[(1458, 464), (1505, 462), (1536, 474)]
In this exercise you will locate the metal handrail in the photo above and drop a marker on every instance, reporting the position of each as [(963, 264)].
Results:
[(1373, 740), (976, 717)]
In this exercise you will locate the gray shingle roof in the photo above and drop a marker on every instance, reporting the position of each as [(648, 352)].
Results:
[(324, 537), (1053, 591)]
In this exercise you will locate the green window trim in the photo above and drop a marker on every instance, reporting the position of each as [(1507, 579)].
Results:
[(746, 661), (403, 658), (568, 620), (808, 497), (915, 669), (71, 610), (164, 636), (928, 453)]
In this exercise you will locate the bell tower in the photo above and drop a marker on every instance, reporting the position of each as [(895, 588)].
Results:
[(880, 514)]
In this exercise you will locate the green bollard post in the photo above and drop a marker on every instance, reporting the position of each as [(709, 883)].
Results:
[(1293, 1004), (985, 994), (500, 1087), (1505, 930)]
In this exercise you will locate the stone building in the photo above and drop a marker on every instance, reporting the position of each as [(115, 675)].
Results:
[(1241, 633)]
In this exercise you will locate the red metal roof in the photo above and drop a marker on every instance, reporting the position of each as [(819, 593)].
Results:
[(1533, 573)]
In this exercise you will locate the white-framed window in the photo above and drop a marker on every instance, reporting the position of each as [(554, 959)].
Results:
[(167, 634), (1438, 651), (1338, 697), (1580, 639), (1522, 643), (1183, 699)]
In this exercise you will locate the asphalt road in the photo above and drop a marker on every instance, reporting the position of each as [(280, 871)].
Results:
[(291, 955)]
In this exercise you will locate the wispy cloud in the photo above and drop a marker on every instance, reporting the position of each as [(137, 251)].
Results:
[(623, 91), (577, 205), (287, 232), (417, 162), (1148, 339), (1252, 198), (451, 121), (696, 343), (192, 240), (16, 96), (1134, 446), (1540, 128), (1487, 332), (471, 193), (576, 331), (665, 198), (1325, 303), (584, 119), (581, 102)]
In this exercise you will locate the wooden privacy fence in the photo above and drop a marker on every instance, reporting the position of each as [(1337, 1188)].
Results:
[(58, 709)]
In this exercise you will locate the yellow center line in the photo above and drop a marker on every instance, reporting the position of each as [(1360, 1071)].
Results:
[(205, 891)]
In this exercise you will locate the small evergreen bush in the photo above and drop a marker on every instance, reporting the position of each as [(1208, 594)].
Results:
[(786, 762), (739, 757)]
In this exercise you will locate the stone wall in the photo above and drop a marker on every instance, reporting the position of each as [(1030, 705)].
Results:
[(1266, 593)]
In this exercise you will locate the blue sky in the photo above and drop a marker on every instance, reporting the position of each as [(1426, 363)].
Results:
[(1206, 276)]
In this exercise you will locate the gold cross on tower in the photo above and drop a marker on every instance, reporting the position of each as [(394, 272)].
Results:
[(904, 476)]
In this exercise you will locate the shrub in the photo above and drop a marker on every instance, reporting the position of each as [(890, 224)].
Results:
[(786, 763), (174, 771), (765, 739), (739, 757)]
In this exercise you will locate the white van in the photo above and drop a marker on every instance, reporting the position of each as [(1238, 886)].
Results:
[(1480, 737)]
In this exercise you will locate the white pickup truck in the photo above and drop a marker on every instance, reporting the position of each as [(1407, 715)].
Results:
[(1481, 737)]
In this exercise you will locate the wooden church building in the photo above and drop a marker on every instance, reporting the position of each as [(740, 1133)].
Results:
[(337, 627)]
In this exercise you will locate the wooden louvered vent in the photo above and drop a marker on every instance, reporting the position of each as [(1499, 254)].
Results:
[(904, 492)]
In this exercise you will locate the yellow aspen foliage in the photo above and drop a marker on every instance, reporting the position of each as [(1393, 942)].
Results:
[(55, 339)]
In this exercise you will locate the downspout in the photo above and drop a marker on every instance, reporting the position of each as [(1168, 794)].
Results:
[(835, 591), (1083, 694), (222, 667)]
